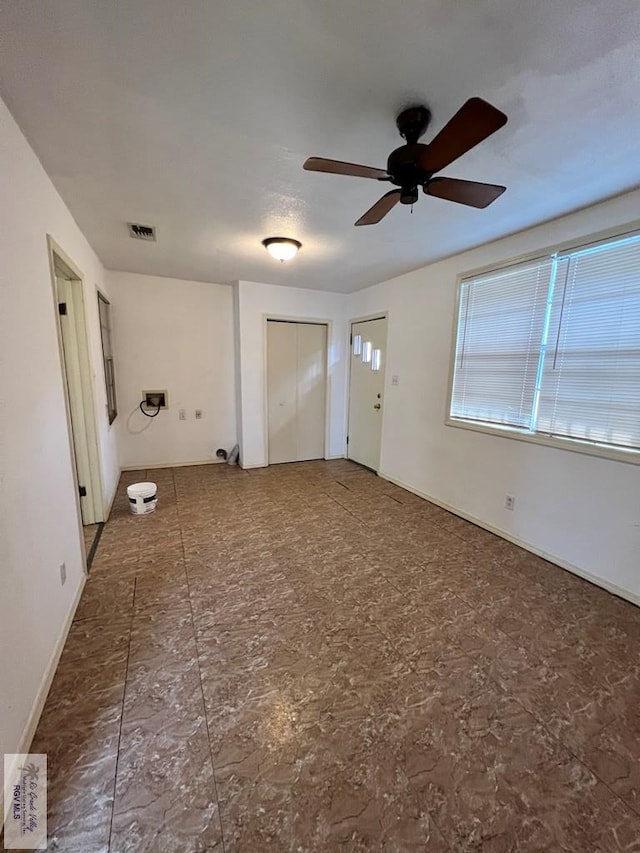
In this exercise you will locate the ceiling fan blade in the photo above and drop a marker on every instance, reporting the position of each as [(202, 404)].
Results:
[(474, 121), (380, 208), (464, 192), (337, 167)]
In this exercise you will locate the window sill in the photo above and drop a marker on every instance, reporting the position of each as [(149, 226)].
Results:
[(572, 444)]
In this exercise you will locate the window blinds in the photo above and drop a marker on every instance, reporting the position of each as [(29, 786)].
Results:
[(590, 385), (553, 346), (500, 327)]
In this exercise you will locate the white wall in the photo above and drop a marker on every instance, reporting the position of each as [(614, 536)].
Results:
[(174, 335), (581, 510), (39, 526), (254, 302)]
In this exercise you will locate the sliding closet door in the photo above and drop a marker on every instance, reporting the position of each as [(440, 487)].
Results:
[(296, 388), (311, 361), (282, 389)]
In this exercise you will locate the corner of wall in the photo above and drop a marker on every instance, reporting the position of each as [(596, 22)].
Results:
[(237, 362)]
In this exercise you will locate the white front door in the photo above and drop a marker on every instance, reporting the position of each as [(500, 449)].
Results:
[(296, 390), (366, 390)]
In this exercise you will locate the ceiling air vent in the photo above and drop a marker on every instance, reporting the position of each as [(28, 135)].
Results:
[(142, 232)]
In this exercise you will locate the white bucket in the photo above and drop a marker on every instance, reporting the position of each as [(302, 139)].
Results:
[(142, 498)]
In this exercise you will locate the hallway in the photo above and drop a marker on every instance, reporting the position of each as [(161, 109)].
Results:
[(308, 658)]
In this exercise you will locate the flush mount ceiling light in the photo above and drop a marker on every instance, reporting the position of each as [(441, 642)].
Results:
[(282, 248)]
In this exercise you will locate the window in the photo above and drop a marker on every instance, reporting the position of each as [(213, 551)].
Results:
[(552, 347), (104, 309)]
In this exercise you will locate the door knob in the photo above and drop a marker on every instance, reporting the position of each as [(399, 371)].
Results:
[(376, 405)]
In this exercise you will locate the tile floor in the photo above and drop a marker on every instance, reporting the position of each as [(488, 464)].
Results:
[(307, 658)]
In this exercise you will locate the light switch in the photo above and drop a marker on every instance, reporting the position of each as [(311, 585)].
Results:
[(395, 380)]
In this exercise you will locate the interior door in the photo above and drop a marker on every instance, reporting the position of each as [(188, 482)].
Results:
[(296, 390), (366, 388), (68, 326), (282, 391)]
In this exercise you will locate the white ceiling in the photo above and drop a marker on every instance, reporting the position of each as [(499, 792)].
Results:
[(196, 116)]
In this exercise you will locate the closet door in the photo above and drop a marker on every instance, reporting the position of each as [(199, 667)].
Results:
[(311, 361), (296, 390), (282, 389)]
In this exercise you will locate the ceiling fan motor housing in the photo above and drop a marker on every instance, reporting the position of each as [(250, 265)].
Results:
[(403, 169), (402, 163)]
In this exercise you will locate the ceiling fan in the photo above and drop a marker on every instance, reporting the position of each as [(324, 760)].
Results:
[(414, 164)]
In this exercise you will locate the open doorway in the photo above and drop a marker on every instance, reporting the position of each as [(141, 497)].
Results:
[(366, 390), (77, 379)]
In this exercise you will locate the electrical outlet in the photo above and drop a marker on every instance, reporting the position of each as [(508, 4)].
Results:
[(509, 502), (198, 414), (63, 574), (182, 414)]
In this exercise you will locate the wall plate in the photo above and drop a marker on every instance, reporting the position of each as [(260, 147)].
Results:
[(150, 399)]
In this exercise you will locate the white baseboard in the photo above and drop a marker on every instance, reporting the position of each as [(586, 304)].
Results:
[(45, 684), (249, 465), (173, 465), (621, 592), (337, 456)]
